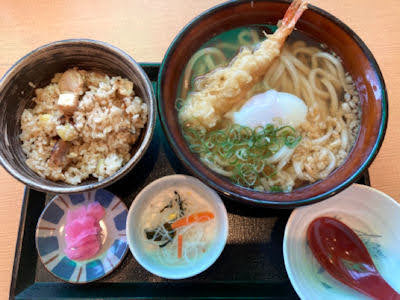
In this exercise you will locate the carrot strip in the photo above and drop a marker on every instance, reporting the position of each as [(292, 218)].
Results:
[(179, 245), (196, 217)]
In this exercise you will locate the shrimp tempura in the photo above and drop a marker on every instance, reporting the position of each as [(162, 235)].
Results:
[(224, 87)]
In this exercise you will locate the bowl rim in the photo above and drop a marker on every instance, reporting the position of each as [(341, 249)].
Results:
[(328, 208), (148, 132), (79, 262), (268, 203), (219, 244)]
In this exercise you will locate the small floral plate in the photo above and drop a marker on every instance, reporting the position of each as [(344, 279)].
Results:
[(374, 216), (50, 237)]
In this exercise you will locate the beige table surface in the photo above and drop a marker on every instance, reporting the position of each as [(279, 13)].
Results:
[(145, 29)]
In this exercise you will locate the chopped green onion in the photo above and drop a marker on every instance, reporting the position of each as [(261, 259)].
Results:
[(275, 189), (242, 151)]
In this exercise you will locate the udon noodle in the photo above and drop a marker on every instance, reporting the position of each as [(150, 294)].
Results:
[(311, 73)]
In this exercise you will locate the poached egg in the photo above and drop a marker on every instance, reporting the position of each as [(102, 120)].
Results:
[(271, 107)]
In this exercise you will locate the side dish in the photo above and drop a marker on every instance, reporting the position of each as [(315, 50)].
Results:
[(83, 124), (178, 227), (82, 231)]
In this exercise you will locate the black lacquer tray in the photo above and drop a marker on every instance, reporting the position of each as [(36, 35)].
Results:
[(251, 265)]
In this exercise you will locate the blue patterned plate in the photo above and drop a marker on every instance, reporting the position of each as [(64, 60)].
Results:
[(50, 234), (373, 215)]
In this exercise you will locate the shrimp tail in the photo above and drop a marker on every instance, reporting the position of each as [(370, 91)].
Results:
[(293, 13)]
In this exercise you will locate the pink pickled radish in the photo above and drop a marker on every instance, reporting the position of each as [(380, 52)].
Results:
[(80, 243), (82, 230), (79, 229), (76, 214), (95, 210)]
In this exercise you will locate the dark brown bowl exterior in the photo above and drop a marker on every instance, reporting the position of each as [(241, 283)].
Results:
[(39, 67), (320, 26)]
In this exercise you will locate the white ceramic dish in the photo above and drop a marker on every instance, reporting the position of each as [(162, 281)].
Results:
[(374, 216), (140, 202)]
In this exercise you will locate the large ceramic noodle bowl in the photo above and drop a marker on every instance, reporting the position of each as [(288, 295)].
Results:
[(272, 103)]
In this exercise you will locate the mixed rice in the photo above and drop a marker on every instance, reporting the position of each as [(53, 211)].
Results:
[(83, 124)]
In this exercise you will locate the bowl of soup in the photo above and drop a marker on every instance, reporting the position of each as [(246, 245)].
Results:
[(272, 103), (177, 227)]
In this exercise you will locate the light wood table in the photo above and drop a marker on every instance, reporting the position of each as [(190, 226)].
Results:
[(145, 29)]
